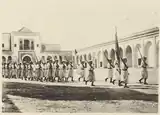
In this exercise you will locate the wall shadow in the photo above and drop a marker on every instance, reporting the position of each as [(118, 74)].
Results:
[(9, 107)]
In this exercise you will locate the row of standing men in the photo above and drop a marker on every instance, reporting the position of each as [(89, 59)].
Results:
[(52, 70)]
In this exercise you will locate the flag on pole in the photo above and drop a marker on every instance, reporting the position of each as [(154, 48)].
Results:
[(117, 51)]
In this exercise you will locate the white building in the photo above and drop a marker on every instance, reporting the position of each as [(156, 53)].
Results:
[(25, 45), (146, 41)]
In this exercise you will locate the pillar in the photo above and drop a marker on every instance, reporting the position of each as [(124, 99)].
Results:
[(133, 56), (154, 53)]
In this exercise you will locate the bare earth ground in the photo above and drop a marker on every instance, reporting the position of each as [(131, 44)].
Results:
[(26, 96)]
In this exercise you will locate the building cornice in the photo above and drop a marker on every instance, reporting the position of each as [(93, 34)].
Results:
[(25, 33), (145, 33)]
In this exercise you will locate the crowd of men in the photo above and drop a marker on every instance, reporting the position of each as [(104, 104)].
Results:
[(52, 71)]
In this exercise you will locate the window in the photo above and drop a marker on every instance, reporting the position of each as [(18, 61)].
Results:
[(26, 44), (15, 45), (32, 45), (100, 64), (37, 45), (2, 45), (21, 45)]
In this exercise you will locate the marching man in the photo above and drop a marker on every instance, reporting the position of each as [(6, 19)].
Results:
[(144, 72), (81, 71), (110, 67), (71, 71), (124, 73), (117, 72), (91, 74), (57, 72)]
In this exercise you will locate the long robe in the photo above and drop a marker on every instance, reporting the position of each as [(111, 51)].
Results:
[(124, 73), (86, 72), (109, 71), (91, 75), (144, 71), (116, 73)]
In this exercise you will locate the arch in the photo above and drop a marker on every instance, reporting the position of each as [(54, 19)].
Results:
[(77, 59), (129, 55), (148, 49), (112, 55), (43, 59), (137, 56), (26, 58), (73, 59), (121, 52), (85, 57), (60, 59), (81, 58), (55, 57), (105, 56), (89, 56), (3, 59), (99, 59), (94, 59)]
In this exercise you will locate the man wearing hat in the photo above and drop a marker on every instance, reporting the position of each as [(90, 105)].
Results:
[(30, 71), (117, 72), (57, 71), (144, 72), (63, 71), (110, 67), (19, 70), (24, 70), (14, 70), (81, 73), (71, 71), (3, 69), (124, 73), (91, 74)]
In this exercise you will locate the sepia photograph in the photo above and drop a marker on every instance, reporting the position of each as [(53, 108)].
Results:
[(79, 56)]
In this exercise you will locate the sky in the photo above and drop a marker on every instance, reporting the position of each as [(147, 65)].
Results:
[(77, 24)]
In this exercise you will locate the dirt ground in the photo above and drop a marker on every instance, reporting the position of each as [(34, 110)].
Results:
[(32, 97)]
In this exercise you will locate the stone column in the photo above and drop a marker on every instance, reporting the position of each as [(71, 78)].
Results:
[(154, 53), (133, 56)]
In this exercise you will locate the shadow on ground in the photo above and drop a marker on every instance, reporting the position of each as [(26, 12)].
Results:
[(8, 105), (49, 92)]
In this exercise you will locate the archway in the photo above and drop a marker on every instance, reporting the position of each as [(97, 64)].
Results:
[(148, 49), (137, 56), (121, 52), (73, 59), (105, 56), (99, 59), (89, 57), (55, 57), (81, 58), (43, 59), (112, 55), (77, 59), (85, 57), (129, 56), (27, 59)]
